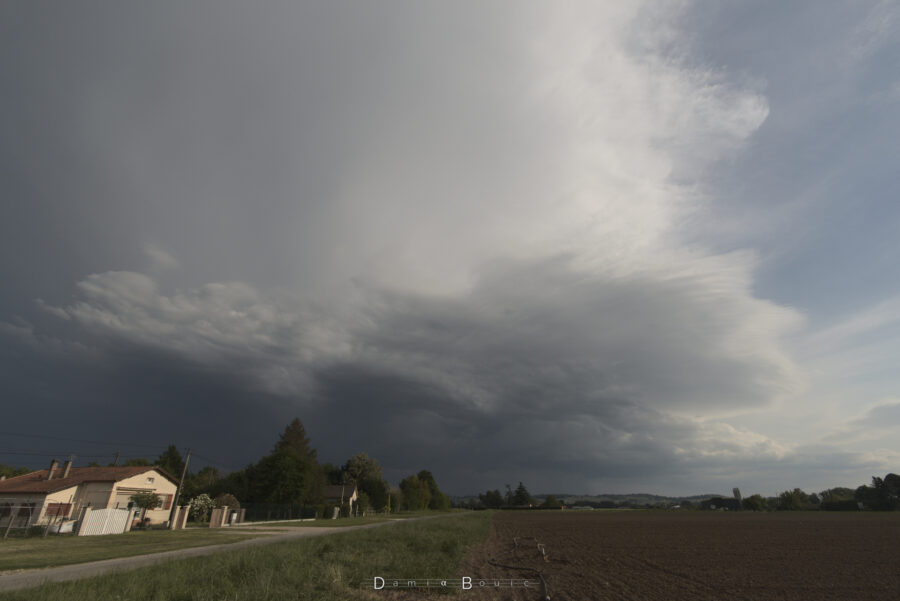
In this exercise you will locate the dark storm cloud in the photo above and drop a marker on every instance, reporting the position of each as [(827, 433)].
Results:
[(564, 375)]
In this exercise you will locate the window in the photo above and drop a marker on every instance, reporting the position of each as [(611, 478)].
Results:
[(149, 480), (59, 509)]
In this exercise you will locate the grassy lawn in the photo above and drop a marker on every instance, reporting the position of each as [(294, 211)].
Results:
[(338, 566), (55, 550)]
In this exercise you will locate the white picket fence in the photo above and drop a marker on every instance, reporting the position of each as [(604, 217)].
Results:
[(105, 521)]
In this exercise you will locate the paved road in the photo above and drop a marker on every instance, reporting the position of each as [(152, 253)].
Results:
[(16, 580)]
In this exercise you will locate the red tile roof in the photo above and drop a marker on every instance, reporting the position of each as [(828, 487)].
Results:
[(36, 482)]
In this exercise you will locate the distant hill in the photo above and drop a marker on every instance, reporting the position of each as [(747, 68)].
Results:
[(608, 500), (640, 499)]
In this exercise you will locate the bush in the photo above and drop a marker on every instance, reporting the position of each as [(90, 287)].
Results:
[(227, 500), (201, 505)]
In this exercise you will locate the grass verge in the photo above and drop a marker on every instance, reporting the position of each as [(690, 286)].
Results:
[(337, 566), (344, 522), (27, 553)]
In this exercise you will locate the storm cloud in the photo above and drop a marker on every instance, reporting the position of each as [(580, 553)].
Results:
[(499, 244)]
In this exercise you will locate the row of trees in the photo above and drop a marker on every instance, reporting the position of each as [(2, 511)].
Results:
[(882, 495), (493, 499), (291, 474)]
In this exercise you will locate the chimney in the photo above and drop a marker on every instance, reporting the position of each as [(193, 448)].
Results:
[(66, 467), (53, 465), (2, 478)]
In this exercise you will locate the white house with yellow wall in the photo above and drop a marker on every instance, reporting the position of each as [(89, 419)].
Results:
[(62, 492)]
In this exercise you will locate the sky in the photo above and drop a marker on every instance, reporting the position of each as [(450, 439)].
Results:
[(595, 247)]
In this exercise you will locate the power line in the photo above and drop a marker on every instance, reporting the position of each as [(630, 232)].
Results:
[(51, 454), (213, 462), (123, 444), (120, 445)]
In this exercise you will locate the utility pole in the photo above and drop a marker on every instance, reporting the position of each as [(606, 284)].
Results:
[(187, 458), (116, 460)]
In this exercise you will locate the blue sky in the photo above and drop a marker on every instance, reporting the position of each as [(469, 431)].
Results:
[(595, 247)]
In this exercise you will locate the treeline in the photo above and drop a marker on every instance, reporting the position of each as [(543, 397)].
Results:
[(291, 475), (11, 472), (882, 495), (518, 499)]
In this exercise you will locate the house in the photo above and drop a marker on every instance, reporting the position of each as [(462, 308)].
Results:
[(338, 494), (62, 492)]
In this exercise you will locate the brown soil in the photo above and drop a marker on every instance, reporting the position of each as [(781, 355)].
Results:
[(690, 556)]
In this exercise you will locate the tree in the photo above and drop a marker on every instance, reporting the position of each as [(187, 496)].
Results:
[(436, 499), (831, 495), (362, 503), (416, 494), (137, 461), (521, 497), (203, 481), (289, 474), (282, 477), (793, 500), (227, 500), (491, 499), (171, 461), (361, 467), (331, 474), (11, 472), (551, 501), (146, 501), (883, 495), (294, 439), (395, 500), (754, 503), (377, 490), (892, 490)]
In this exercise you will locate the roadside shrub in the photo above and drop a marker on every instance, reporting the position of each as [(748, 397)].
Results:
[(201, 505)]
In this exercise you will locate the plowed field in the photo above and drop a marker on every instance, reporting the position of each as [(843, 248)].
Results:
[(691, 556)]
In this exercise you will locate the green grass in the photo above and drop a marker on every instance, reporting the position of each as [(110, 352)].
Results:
[(58, 550), (337, 566), (344, 522)]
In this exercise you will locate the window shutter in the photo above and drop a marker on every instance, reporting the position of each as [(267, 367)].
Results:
[(168, 504)]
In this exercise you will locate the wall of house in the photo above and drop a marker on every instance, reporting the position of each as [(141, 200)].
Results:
[(93, 494), (159, 484), (55, 505), (12, 500), (59, 504)]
